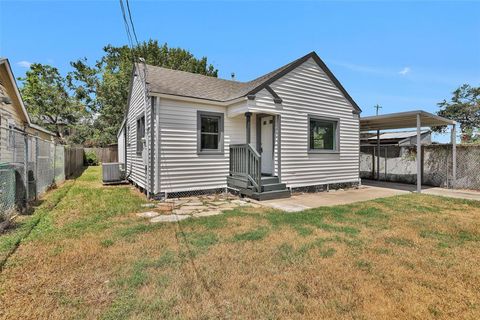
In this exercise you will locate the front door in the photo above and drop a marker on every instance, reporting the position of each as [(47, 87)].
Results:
[(267, 144)]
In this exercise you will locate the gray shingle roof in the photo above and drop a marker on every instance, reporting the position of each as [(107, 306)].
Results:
[(186, 84)]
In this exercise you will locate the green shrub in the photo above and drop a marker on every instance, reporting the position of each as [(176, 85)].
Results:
[(91, 158)]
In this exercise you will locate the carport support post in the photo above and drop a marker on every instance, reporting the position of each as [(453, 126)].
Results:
[(378, 155), (454, 155), (419, 154)]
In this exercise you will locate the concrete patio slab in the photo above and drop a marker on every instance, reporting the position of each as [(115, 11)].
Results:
[(369, 191), (299, 202)]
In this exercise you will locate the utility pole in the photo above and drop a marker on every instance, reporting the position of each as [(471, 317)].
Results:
[(377, 108)]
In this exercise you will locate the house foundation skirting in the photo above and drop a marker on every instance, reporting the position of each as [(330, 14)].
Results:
[(305, 189), (325, 187), (189, 193)]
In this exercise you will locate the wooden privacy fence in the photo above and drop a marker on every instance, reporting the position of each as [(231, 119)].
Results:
[(107, 154), (73, 161)]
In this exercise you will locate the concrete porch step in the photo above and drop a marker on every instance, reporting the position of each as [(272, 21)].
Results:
[(270, 195)]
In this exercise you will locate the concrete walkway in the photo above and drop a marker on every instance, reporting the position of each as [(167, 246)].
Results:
[(369, 191), (437, 191)]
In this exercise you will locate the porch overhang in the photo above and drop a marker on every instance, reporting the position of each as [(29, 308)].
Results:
[(236, 111)]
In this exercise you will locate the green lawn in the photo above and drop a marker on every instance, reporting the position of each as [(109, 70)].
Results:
[(85, 254)]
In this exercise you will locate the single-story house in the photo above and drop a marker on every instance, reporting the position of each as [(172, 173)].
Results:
[(13, 114), (293, 128)]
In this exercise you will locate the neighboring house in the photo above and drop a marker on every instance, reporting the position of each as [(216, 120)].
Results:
[(13, 115), (62, 126), (397, 138), (295, 127)]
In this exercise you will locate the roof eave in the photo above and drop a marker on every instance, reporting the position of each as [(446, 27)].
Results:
[(197, 99)]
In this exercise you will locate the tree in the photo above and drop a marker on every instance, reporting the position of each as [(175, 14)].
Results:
[(464, 107), (103, 87), (46, 96)]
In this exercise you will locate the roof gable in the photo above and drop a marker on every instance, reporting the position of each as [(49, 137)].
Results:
[(12, 89), (293, 65), (186, 84), (5, 66)]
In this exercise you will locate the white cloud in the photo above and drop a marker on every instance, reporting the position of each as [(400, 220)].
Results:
[(24, 64), (404, 71)]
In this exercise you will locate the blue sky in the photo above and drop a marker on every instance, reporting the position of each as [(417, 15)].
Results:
[(402, 55)]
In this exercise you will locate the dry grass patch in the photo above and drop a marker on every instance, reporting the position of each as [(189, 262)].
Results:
[(412, 256)]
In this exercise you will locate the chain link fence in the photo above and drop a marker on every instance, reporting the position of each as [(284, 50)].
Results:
[(29, 166), (398, 164)]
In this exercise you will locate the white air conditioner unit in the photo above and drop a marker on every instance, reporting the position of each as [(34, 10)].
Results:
[(113, 172)]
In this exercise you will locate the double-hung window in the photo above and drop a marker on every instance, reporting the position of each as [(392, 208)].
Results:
[(210, 132), (323, 135), (140, 133)]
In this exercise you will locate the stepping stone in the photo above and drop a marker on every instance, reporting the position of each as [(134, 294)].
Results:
[(240, 202), (207, 213), (148, 214), (227, 207), (148, 205), (169, 218), (183, 211), (193, 208), (218, 203), (194, 203)]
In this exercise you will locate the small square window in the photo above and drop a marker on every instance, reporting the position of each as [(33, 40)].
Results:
[(323, 135)]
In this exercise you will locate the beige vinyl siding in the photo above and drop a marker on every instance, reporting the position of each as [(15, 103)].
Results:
[(13, 110), (307, 90), (9, 113), (136, 169), (181, 168)]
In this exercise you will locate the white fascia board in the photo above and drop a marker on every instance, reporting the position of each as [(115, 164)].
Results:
[(196, 100)]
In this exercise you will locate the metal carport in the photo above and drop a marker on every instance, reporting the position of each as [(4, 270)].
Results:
[(410, 119)]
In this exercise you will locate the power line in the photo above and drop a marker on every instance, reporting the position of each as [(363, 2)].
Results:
[(131, 22), (143, 77)]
